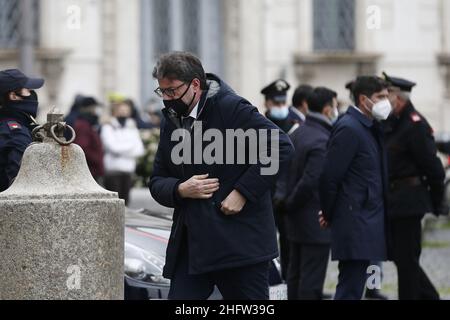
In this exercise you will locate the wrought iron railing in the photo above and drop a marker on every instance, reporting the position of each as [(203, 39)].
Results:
[(334, 25), (10, 18)]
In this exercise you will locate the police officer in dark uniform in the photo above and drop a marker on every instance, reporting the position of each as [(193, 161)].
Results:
[(278, 112), (276, 103), (18, 108), (416, 178)]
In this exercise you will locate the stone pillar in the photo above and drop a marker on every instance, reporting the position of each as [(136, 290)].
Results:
[(61, 234)]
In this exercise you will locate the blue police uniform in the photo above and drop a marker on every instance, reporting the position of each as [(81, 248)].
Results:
[(16, 122), (416, 187), (277, 92), (15, 137)]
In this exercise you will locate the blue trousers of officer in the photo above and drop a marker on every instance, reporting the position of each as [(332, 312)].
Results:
[(352, 279), (245, 283)]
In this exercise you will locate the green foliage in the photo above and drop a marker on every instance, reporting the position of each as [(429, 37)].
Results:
[(144, 167)]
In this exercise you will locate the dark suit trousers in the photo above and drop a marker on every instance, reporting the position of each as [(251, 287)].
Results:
[(352, 279), (245, 283), (120, 182), (413, 283), (307, 271)]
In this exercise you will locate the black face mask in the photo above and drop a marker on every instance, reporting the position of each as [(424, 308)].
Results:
[(32, 97), (178, 105), (122, 121), (28, 105)]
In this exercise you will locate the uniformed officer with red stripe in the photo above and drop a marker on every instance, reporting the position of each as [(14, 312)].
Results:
[(18, 108), (416, 178)]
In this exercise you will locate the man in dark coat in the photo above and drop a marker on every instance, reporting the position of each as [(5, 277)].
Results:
[(309, 244), (300, 108), (223, 232), (353, 186), (416, 180), (372, 293), (18, 108)]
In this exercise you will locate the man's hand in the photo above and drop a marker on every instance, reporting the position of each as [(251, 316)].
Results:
[(198, 187), (233, 204), (323, 223)]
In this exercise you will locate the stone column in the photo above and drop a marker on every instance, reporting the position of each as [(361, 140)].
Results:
[(61, 234)]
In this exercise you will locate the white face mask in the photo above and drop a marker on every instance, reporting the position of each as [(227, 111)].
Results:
[(335, 115), (279, 113), (381, 110)]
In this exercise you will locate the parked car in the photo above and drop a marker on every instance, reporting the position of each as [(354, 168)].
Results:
[(146, 239)]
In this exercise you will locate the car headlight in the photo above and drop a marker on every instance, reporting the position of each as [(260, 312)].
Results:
[(143, 265)]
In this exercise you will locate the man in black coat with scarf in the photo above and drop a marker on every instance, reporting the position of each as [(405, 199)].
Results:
[(223, 232)]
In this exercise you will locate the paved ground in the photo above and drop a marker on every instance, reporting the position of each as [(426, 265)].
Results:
[(435, 260), (435, 257)]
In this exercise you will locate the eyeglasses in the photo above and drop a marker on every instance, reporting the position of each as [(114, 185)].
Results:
[(170, 92)]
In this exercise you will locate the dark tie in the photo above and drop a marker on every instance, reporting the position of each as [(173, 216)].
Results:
[(187, 123)]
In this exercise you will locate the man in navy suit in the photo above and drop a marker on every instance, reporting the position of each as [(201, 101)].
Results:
[(353, 187), (300, 107), (309, 244)]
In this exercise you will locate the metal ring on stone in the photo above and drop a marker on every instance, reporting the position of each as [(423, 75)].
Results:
[(36, 134), (58, 140)]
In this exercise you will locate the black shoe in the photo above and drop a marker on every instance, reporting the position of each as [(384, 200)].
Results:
[(375, 294)]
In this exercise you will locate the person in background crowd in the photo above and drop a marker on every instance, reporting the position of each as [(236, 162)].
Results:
[(87, 129), (299, 108), (309, 244), (275, 101), (122, 146), (275, 97), (141, 123), (74, 111)]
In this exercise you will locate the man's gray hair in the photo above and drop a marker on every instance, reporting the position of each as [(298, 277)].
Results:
[(406, 96), (183, 66)]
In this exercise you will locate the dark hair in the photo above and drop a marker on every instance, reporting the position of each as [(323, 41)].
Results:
[(301, 95), (4, 98), (367, 86), (87, 102), (183, 66), (320, 98), (134, 110)]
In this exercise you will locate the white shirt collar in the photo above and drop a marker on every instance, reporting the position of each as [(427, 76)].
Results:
[(193, 113), (359, 110), (299, 113)]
